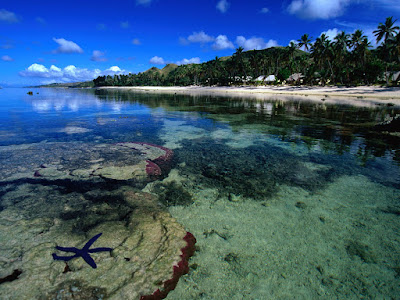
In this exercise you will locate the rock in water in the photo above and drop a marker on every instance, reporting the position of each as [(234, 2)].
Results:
[(62, 194), (140, 162), (150, 253)]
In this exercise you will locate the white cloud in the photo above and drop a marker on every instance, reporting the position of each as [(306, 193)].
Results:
[(157, 60), (318, 9), (264, 10), (67, 46), (331, 33), (222, 42), (68, 74), (114, 70), (223, 6), (125, 25), (8, 16), (254, 43), (185, 61), (6, 58), (136, 42), (197, 37), (98, 56), (200, 37)]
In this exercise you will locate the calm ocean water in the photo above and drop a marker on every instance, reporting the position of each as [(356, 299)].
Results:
[(287, 200)]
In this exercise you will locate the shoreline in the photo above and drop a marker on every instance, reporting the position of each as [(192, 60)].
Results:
[(360, 96)]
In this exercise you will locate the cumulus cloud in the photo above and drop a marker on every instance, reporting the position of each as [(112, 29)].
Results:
[(318, 9), (197, 37), (136, 42), (8, 16), (125, 25), (264, 10), (331, 33), (185, 61), (98, 56), (68, 74), (157, 60), (6, 58), (67, 46), (222, 42), (114, 70), (200, 37), (223, 6), (254, 43)]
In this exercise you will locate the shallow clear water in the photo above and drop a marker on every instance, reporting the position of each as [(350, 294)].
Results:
[(286, 199)]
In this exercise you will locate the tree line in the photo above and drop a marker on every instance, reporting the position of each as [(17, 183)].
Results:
[(346, 60)]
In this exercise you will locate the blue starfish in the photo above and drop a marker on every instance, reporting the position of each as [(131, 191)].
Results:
[(84, 252)]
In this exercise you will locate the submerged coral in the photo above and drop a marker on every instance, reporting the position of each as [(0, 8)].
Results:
[(150, 249), (256, 171), (75, 162)]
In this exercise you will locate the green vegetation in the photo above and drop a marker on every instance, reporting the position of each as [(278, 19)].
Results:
[(83, 84), (347, 60)]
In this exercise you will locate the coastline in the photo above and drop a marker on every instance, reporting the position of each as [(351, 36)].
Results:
[(360, 96)]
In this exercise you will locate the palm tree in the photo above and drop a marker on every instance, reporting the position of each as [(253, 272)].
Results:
[(340, 47), (239, 61), (254, 63), (322, 53), (356, 39), (305, 41), (386, 30), (290, 51), (397, 44), (342, 42)]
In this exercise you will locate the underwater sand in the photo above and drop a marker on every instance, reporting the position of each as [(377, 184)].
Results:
[(338, 243)]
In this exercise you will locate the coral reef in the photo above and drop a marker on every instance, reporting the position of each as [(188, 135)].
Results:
[(75, 162), (150, 249)]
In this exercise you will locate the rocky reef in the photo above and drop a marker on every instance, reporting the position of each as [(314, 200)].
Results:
[(139, 162), (40, 213)]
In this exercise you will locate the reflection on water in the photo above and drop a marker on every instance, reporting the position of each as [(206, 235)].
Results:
[(326, 127), (286, 198)]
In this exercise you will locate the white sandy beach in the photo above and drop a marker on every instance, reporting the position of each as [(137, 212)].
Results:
[(360, 96)]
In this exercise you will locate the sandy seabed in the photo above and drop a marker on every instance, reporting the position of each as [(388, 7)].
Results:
[(358, 96), (338, 242), (335, 244)]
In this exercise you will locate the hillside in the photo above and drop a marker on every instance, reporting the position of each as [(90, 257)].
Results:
[(82, 84)]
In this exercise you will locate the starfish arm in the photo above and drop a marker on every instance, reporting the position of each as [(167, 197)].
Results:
[(64, 258), (101, 249), (89, 260), (91, 241), (67, 249)]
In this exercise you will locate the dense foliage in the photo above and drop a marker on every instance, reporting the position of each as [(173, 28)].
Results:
[(348, 59)]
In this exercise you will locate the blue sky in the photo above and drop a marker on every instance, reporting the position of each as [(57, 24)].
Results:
[(45, 41)]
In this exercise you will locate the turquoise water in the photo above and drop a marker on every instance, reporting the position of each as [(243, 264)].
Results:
[(287, 200)]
